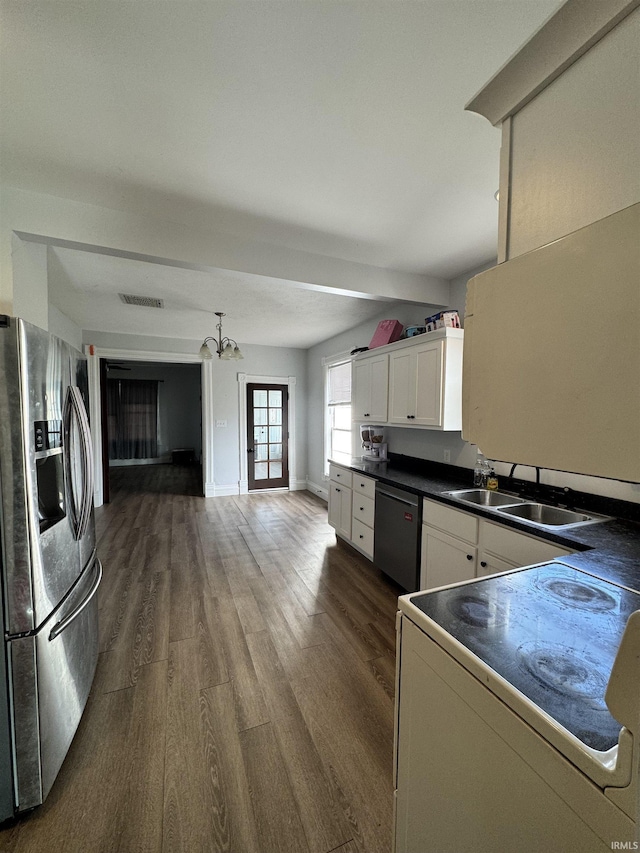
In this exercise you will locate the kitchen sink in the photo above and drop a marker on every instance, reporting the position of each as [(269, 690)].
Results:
[(549, 516), (539, 515), (484, 497)]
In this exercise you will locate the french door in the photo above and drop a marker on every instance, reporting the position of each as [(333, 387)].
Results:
[(267, 436)]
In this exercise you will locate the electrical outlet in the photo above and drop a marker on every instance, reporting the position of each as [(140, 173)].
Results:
[(447, 456)]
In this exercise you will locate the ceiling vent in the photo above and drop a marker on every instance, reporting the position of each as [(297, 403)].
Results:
[(143, 301)]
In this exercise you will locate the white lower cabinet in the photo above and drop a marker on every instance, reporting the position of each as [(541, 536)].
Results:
[(449, 545), (458, 546), (362, 537), (489, 564), (445, 559), (503, 544), (352, 507), (340, 500), (340, 509)]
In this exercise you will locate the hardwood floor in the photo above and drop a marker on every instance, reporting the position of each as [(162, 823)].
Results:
[(243, 699)]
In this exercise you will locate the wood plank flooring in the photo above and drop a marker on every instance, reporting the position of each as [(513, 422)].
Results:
[(243, 699)]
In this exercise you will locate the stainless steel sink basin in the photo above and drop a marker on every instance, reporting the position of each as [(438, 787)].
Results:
[(548, 516), (484, 497), (537, 515)]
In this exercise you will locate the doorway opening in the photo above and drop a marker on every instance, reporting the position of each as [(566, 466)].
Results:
[(151, 415)]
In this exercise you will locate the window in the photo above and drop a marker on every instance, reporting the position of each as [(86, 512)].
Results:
[(338, 410)]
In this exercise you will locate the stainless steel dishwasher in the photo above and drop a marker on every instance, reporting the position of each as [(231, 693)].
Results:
[(396, 542)]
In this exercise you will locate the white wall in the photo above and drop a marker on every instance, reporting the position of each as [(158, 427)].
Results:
[(61, 326), (30, 283)]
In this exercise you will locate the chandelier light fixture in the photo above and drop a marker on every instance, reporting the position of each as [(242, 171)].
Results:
[(226, 348)]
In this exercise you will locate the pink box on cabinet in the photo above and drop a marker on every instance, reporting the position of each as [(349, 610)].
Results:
[(387, 332)]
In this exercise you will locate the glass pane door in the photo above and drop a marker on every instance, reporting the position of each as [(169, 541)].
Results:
[(267, 440)]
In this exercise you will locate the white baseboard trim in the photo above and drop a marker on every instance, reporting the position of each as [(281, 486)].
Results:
[(294, 486), (320, 491), (213, 490)]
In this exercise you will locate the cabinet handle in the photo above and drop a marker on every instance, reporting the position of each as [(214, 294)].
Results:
[(469, 556), (366, 415), (483, 563), (411, 417), (361, 536), (338, 490)]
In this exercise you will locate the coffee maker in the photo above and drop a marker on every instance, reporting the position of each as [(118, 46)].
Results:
[(374, 447)]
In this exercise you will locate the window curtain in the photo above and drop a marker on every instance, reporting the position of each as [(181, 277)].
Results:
[(132, 406)]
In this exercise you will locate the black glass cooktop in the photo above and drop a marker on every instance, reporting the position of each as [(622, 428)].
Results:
[(551, 631)]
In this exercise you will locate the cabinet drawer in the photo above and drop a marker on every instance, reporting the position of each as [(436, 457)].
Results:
[(363, 508), (362, 536), (451, 521), (515, 547), (363, 486), (340, 475)]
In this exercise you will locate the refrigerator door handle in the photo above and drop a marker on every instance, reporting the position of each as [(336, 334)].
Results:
[(60, 626), (80, 512)]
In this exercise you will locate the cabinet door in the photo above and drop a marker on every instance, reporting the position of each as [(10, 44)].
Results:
[(371, 389), (416, 386), (402, 387), (428, 384), (489, 564), (515, 547), (444, 559), (340, 509)]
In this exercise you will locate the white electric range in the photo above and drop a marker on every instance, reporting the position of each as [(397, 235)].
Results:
[(518, 724)]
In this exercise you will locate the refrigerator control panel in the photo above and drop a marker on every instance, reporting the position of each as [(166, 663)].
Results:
[(47, 435)]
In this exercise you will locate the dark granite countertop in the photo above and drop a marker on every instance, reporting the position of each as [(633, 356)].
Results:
[(609, 550)]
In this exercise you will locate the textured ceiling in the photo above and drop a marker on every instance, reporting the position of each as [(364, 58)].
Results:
[(336, 128)]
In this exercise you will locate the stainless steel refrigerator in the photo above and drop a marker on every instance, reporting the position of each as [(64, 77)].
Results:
[(49, 571)]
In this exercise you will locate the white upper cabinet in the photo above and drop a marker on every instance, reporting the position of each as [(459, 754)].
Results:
[(420, 384), (415, 386), (370, 381)]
